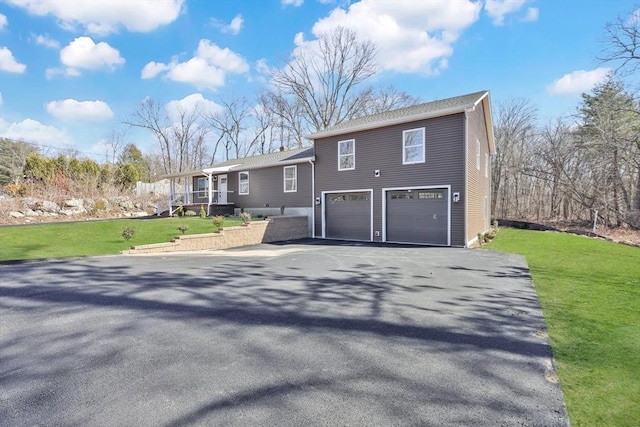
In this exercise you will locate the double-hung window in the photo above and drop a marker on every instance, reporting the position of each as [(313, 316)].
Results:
[(477, 154), (413, 146), (346, 155), (202, 187), (290, 179), (243, 183), (486, 165)]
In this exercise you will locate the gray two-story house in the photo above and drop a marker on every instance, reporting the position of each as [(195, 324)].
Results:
[(420, 174)]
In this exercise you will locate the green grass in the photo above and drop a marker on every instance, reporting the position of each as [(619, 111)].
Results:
[(590, 295), (94, 237)]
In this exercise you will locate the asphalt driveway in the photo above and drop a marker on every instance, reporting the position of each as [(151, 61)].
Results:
[(286, 335)]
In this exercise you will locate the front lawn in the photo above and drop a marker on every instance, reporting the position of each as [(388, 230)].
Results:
[(590, 295), (94, 237)]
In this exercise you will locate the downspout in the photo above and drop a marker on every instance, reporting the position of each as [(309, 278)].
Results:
[(313, 199)]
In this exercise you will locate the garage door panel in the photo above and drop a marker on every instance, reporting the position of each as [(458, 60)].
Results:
[(417, 216), (348, 216)]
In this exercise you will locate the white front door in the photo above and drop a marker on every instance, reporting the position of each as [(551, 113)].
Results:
[(222, 189)]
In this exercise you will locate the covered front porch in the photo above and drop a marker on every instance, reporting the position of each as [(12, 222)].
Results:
[(209, 189)]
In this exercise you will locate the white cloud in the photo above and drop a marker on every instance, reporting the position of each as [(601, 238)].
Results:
[(579, 81), (498, 9), (8, 63), (233, 27), (412, 37), (84, 53), (190, 104), (294, 3), (71, 109), (533, 13), (3, 21), (152, 69), (106, 16), (30, 130), (206, 70), (45, 40)]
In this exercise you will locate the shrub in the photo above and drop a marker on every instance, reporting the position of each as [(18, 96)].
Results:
[(480, 239), (203, 213), (183, 228), (190, 213), (245, 217), (180, 210), (128, 233), (99, 205), (16, 189), (218, 220)]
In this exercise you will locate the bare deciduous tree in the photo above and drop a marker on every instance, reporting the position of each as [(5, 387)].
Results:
[(182, 141), (514, 130), (325, 77), (621, 43), (238, 127)]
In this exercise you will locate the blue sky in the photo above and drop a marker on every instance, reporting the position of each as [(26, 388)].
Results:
[(72, 71)]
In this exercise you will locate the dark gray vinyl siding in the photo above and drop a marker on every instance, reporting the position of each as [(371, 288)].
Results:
[(266, 187), (382, 149), (478, 185)]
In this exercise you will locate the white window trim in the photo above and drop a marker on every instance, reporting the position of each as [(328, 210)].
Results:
[(240, 183), (404, 146), (353, 154), (294, 179), (478, 154)]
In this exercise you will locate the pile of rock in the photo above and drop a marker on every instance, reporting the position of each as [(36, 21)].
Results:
[(31, 207)]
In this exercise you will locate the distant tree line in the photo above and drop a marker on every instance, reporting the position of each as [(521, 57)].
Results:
[(580, 167), (25, 171)]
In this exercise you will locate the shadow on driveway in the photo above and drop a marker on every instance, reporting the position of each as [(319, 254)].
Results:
[(323, 334)]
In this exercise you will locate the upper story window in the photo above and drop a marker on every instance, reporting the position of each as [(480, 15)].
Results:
[(477, 154), (486, 165), (243, 183), (290, 179), (413, 146), (346, 155)]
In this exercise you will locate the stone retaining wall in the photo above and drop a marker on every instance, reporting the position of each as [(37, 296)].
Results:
[(273, 229)]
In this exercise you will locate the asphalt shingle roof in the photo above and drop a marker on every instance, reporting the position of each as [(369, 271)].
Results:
[(269, 159), (409, 113)]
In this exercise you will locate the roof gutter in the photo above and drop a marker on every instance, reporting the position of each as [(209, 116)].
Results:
[(223, 169)]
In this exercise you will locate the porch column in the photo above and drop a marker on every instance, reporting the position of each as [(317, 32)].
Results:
[(186, 191), (172, 194), (210, 177)]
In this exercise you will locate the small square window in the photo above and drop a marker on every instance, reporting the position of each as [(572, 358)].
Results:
[(346, 155), (413, 146), (290, 179), (243, 183)]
